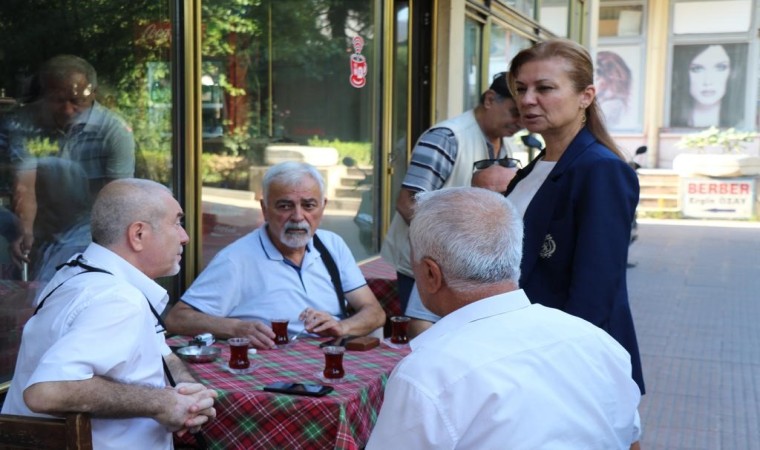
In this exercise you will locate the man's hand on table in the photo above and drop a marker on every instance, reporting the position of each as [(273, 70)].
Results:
[(321, 323), (260, 334)]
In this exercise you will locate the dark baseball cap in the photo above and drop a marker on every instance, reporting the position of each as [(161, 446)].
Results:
[(499, 85)]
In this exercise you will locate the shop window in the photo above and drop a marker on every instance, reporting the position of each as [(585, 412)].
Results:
[(554, 15), (619, 63), (718, 16), (526, 7), (504, 45), (618, 79), (400, 108), (473, 41), (620, 20), (128, 46), (288, 80)]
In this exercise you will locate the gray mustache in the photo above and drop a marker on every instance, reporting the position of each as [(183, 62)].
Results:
[(297, 226)]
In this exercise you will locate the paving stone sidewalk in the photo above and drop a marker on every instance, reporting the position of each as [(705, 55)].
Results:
[(695, 296)]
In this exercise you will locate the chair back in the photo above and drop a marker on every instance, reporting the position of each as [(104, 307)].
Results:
[(73, 432)]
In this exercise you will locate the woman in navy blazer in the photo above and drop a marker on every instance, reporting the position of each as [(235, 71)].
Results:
[(578, 196)]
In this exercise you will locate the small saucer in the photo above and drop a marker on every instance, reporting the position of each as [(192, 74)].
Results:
[(250, 369), (387, 341), (346, 378)]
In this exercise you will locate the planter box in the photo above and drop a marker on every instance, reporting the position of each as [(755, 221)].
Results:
[(316, 156), (722, 165)]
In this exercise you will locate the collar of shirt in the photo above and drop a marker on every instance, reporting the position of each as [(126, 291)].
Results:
[(487, 307), (503, 153), (90, 120), (102, 258)]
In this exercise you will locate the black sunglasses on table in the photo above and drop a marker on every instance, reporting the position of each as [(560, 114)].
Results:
[(503, 162)]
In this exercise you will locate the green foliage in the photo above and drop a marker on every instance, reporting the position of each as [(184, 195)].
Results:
[(730, 140), (237, 141), (229, 171), (41, 147), (154, 165), (360, 151)]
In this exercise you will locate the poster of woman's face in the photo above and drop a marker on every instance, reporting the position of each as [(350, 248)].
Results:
[(708, 85), (617, 86)]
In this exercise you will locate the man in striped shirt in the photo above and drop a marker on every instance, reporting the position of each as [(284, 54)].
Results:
[(444, 156)]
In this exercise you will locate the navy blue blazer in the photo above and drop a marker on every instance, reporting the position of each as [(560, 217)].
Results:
[(577, 232)]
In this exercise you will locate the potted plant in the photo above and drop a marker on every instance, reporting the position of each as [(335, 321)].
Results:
[(717, 153)]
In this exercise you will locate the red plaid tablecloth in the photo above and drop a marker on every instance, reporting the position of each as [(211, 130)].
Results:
[(249, 418), (378, 268), (381, 278)]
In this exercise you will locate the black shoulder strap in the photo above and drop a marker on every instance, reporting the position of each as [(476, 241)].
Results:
[(74, 262), (332, 269)]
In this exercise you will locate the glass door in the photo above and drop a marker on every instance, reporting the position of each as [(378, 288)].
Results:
[(289, 80), (411, 60), (399, 145)]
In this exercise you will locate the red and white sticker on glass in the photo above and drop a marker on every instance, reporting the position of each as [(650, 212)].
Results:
[(358, 64)]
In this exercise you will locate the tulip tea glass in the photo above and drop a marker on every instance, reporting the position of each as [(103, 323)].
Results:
[(334, 362), (399, 329), (239, 353), (280, 328)]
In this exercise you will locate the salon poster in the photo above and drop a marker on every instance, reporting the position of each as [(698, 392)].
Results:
[(618, 86), (708, 86)]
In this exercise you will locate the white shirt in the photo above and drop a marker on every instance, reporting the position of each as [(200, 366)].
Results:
[(501, 373), (526, 189), (97, 324), (251, 280)]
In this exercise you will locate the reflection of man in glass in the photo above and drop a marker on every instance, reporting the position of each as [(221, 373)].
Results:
[(707, 90), (90, 134), (94, 147), (613, 83)]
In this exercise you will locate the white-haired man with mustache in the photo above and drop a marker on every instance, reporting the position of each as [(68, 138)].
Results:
[(276, 272)]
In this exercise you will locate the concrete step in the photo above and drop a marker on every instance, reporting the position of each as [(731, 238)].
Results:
[(659, 204), (359, 171), (342, 192), (351, 181), (660, 191), (343, 204)]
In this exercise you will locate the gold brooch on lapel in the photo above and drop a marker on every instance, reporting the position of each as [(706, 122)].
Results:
[(548, 247)]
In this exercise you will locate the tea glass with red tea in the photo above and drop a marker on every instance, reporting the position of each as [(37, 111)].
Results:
[(280, 328), (333, 362), (400, 329), (239, 353)]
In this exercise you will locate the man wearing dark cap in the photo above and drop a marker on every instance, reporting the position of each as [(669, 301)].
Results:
[(444, 157)]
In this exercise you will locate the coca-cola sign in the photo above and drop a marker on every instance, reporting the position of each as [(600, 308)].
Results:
[(155, 34)]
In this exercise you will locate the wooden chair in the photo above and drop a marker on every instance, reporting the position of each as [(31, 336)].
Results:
[(25, 432)]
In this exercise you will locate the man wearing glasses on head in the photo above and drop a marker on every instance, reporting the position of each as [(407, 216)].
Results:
[(446, 155)]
